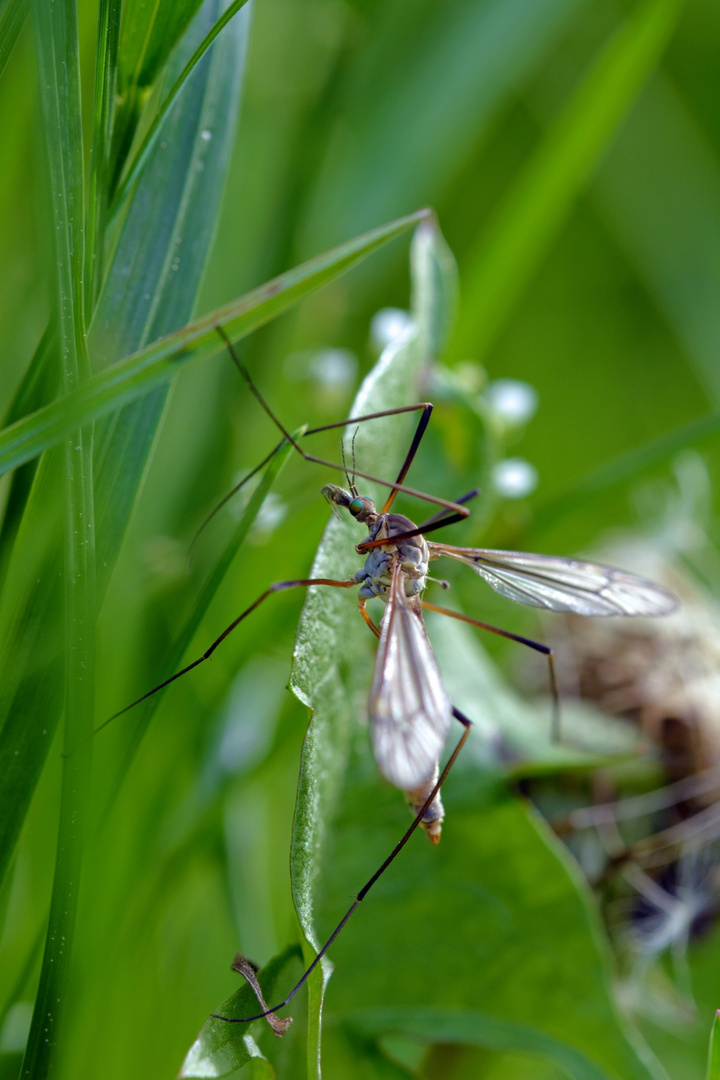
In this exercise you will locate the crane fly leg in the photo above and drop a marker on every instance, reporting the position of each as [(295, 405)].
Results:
[(278, 586), (536, 645), (467, 724), (363, 611)]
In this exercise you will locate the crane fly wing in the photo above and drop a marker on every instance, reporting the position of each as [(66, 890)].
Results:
[(559, 584), (409, 710)]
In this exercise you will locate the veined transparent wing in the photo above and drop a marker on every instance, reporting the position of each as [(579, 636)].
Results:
[(409, 710), (559, 584)]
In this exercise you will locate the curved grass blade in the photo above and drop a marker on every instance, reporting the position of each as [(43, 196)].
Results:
[(156, 364), (538, 203), (150, 34)]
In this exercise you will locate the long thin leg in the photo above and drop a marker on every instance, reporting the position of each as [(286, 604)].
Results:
[(226, 498), (364, 612), (279, 586), (437, 521), (417, 439), (440, 519), (467, 724), (395, 487), (536, 645)]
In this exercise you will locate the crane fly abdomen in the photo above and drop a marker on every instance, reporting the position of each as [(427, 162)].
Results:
[(408, 707)]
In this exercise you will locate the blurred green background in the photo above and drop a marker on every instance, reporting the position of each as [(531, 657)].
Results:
[(570, 151)]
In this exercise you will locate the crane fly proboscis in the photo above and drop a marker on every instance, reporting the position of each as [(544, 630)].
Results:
[(409, 710)]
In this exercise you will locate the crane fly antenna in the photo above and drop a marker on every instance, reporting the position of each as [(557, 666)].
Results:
[(352, 454), (349, 475)]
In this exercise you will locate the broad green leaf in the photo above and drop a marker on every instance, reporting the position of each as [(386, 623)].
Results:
[(490, 939), (538, 203), (157, 364), (221, 1048)]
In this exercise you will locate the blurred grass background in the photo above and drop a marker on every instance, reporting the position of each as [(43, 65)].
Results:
[(585, 230)]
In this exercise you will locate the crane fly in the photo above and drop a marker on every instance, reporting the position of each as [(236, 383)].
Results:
[(410, 712)]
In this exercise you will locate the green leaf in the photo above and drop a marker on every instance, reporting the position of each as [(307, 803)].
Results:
[(539, 201), (221, 1048), (330, 635), (490, 939), (158, 363), (713, 1065)]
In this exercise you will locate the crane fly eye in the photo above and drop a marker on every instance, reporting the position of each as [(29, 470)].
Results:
[(355, 507)]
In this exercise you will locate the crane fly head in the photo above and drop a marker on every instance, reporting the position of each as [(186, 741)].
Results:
[(361, 508)]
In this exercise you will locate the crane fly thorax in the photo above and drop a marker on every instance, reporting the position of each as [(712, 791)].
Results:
[(375, 576)]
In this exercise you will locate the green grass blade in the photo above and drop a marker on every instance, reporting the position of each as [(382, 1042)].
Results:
[(150, 138), (29, 703), (627, 468), (106, 61), (56, 37), (156, 270), (329, 633), (474, 56), (713, 1065), (157, 364), (150, 34), (12, 19), (540, 200)]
